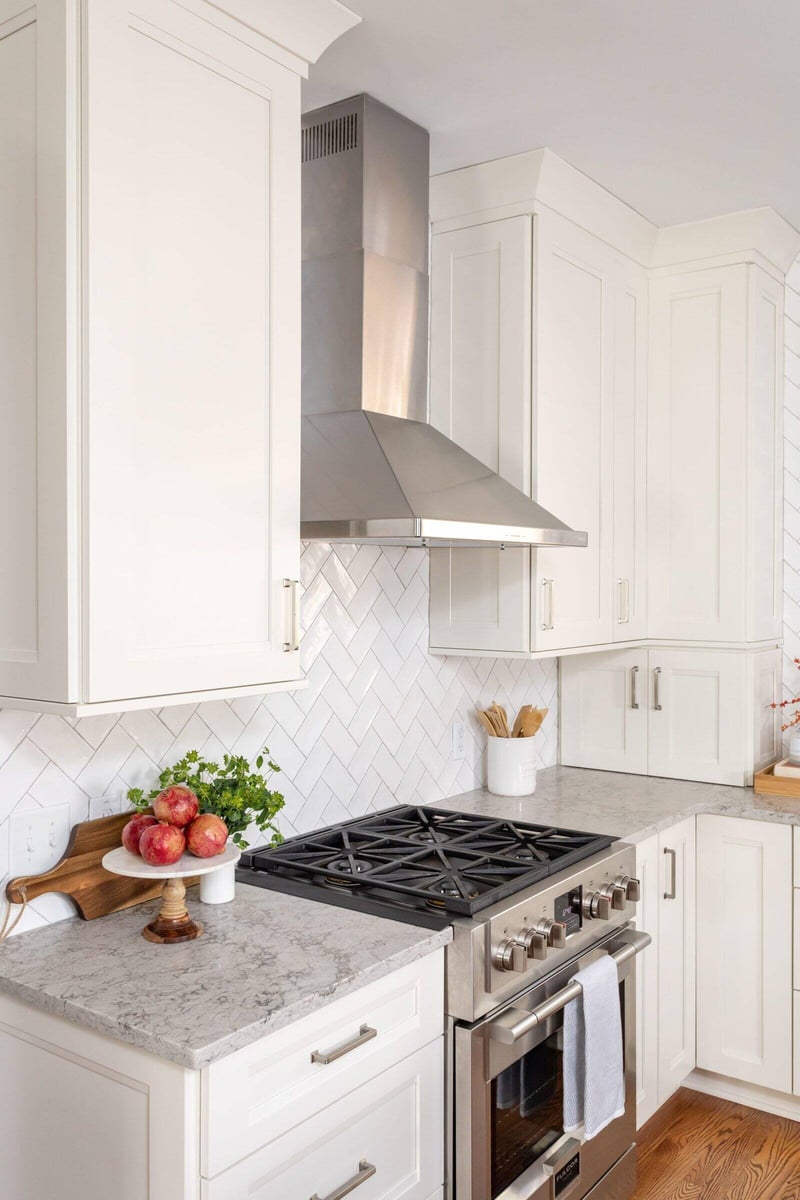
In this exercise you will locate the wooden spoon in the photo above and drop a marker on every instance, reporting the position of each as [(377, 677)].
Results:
[(517, 730), (532, 721), (502, 719), (486, 722)]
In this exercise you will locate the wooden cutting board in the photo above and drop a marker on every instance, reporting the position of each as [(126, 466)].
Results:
[(80, 875)]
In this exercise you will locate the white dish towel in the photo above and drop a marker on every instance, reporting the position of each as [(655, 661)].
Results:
[(594, 1083)]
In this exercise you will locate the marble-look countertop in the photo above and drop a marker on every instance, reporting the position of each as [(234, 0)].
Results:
[(265, 960), (632, 807)]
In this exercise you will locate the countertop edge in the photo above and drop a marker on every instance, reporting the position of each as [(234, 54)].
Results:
[(195, 1059)]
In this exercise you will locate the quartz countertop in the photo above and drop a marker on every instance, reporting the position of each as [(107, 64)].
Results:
[(631, 807), (265, 960)]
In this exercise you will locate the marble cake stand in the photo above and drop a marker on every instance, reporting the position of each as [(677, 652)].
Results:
[(173, 923)]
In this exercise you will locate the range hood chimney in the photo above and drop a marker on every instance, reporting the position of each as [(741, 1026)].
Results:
[(373, 469)]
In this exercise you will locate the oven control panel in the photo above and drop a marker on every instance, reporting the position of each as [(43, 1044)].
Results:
[(529, 936)]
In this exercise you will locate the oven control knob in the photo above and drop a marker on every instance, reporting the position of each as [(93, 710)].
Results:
[(535, 942), (510, 956), (616, 893), (596, 906), (633, 891), (556, 933)]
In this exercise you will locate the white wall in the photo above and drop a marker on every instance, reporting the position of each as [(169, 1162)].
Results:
[(373, 729), (791, 522)]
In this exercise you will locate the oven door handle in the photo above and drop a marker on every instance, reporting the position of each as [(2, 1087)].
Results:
[(514, 1024)]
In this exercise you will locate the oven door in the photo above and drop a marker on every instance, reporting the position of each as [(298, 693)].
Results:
[(509, 1137)]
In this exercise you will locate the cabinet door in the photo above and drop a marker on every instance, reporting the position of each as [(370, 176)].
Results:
[(603, 710), (480, 396), (630, 455), (744, 950), (192, 327), (676, 957), (574, 432), (696, 467), (647, 871), (38, 334), (698, 715)]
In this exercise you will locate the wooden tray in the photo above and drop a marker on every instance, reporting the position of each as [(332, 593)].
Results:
[(81, 876), (767, 784)]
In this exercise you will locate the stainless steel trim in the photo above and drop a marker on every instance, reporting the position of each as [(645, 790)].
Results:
[(548, 585), (365, 1034), (565, 1152), (634, 677), (365, 1171), (657, 689), (672, 891), (512, 1025), (292, 642)]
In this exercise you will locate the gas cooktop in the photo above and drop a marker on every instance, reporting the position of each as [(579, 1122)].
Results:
[(426, 861)]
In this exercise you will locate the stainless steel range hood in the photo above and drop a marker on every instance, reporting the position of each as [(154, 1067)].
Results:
[(373, 469)]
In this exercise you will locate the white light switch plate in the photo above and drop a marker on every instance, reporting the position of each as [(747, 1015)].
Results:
[(459, 741), (37, 838)]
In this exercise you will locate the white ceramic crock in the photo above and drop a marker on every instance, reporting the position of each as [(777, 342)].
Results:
[(511, 766)]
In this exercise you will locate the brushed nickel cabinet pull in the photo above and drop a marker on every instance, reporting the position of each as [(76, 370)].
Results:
[(293, 638), (672, 891), (634, 678), (547, 585), (624, 586), (365, 1034), (365, 1171), (657, 689)]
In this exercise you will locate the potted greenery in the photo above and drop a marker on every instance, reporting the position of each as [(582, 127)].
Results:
[(230, 790)]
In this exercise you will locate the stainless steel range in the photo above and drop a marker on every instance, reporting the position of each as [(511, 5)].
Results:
[(529, 906)]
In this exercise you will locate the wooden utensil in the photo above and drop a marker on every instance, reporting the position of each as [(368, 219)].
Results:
[(532, 721), (502, 719), (80, 875), (486, 722), (517, 730)]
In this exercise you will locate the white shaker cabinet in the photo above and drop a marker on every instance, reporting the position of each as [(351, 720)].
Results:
[(678, 712), (150, 334), (715, 455), (570, 430), (744, 950), (665, 864)]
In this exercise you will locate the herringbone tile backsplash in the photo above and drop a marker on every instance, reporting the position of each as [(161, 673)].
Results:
[(374, 727)]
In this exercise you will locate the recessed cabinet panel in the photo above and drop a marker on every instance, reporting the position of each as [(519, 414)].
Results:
[(574, 433), (676, 957), (766, 461), (697, 436), (697, 724), (186, 446), (480, 397), (603, 703), (744, 950), (630, 459)]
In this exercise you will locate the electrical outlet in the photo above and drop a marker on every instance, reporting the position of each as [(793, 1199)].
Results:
[(104, 806), (37, 838), (459, 741)]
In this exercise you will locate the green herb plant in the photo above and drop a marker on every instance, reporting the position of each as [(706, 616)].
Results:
[(231, 791)]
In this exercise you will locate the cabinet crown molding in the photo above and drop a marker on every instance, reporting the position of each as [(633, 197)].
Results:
[(538, 179), (303, 27)]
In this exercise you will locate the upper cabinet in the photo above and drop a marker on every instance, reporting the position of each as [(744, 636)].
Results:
[(150, 347), (538, 360), (714, 461)]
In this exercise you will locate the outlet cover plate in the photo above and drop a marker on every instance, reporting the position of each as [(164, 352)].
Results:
[(37, 839)]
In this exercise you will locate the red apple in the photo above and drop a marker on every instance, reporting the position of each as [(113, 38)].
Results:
[(206, 836), (134, 830), (162, 844), (177, 805)]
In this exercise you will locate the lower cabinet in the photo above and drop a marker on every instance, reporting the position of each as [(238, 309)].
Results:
[(351, 1094), (665, 864), (744, 950), (678, 712)]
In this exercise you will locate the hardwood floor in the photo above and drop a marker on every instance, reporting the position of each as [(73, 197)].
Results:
[(698, 1146)]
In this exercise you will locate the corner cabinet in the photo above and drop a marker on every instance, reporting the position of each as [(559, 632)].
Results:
[(150, 334), (679, 712), (538, 368)]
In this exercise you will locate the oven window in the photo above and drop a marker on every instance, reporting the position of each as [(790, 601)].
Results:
[(527, 1112), (527, 1108)]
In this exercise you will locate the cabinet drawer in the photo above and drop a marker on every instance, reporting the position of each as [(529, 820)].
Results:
[(393, 1124), (260, 1092)]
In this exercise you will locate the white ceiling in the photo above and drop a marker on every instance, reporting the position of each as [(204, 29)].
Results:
[(683, 108)]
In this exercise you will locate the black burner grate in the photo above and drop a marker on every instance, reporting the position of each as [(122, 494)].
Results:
[(427, 857)]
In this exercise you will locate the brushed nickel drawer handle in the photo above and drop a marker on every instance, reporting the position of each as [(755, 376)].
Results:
[(365, 1172), (292, 641), (365, 1034), (634, 677), (657, 689), (547, 587), (624, 586)]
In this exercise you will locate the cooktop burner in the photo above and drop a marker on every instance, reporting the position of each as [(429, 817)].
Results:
[(419, 858)]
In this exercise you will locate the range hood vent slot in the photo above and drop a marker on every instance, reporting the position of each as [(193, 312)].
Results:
[(330, 137)]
